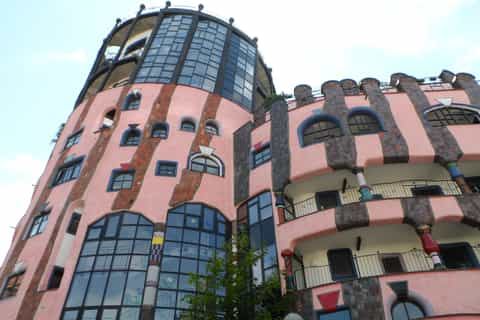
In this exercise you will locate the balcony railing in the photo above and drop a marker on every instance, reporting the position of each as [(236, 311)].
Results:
[(394, 190)]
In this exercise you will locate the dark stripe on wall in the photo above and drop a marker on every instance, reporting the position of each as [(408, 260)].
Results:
[(242, 143), (341, 151), (417, 211), (279, 144), (394, 146), (32, 296), (364, 299), (190, 181), (351, 216), (304, 304), (443, 142), (472, 89), (470, 205), (144, 153)]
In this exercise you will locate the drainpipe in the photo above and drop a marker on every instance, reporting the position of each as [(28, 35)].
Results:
[(364, 189), (430, 246), (287, 256), (458, 177)]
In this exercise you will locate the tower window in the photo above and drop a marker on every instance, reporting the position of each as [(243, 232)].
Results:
[(73, 139), (160, 130), (132, 101), (131, 137), (39, 223), (187, 125), (11, 286), (68, 171), (121, 180), (320, 131), (55, 278), (166, 168), (262, 155), (73, 224), (447, 116), (407, 310), (363, 122), (206, 164), (211, 128)]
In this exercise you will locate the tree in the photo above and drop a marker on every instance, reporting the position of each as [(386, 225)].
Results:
[(228, 292)]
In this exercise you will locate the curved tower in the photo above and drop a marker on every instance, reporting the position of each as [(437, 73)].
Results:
[(364, 195)]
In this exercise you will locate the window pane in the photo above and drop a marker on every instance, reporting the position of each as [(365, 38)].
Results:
[(116, 283), (77, 290), (96, 288), (134, 290), (168, 280), (130, 314)]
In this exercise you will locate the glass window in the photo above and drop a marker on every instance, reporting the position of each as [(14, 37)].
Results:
[(121, 180), (211, 128), (112, 279), (458, 256), (320, 131), (363, 123), (204, 56), (341, 264), (407, 310), (182, 255), (68, 171), (327, 199), (204, 164), (73, 139), (336, 315), (165, 50), (262, 155), (131, 137), (447, 116), (11, 286), (39, 223), (73, 224), (188, 125), (166, 168), (132, 101), (160, 130)]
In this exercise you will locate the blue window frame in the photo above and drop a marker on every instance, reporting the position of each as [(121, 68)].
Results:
[(319, 128), (262, 155), (159, 130), (188, 125), (131, 137), (39, 223), (342, 314), (68, 171), (166, 168), (132, 101), (73, 139), (121, 179)]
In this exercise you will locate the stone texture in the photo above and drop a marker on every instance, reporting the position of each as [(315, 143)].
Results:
[(394, 146), (442, 140), (350, 87), (304, 304), (467, 82), (242, 143), (190, 181), (341, 151), (32, 296), (364, 298), (279, 145), (417, 211), (303, 95), (144, 152), (351, 216), (259, 115), (470, 205)]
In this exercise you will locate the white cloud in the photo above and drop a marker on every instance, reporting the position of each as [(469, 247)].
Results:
[(75, 56), (18, 175)]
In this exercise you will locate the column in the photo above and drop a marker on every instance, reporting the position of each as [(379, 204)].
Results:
[(458, 177), (287, 256), (364, 189), (430, 246)]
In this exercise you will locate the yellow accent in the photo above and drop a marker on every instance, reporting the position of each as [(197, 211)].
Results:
[(157, 240)]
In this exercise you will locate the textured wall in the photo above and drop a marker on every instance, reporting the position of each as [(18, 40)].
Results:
[(364, 298), (241, 150), (280, 146)]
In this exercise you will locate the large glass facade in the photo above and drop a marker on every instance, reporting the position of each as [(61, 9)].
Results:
[(109, 279), (164, 53), (238, 81), (201, 66), (195, 233)]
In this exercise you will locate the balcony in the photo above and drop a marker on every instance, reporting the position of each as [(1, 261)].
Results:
[(394, 190)]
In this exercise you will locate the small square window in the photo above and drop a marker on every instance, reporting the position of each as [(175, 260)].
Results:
[(392, 263), (261, 155), (166, 168), (55, 278), (73, 139), (39, 223), (121, 180), (68, 171)]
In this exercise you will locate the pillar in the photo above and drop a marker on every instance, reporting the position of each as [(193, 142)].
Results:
[(458, 177), (430, 246), (364, 189), (287, 256)]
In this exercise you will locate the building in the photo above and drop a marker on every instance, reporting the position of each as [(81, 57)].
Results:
[(365, 195)]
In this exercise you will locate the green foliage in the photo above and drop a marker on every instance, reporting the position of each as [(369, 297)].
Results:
[(240, 298)]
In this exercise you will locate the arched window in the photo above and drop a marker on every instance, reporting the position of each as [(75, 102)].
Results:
[(208, 164), (131, 137), (407, 310), (160, 130), (211, 128), (188, 125), (194, 234), (363, 121), (317, 129), (132, 101), (108, 119), (454, 115), (109, 279)]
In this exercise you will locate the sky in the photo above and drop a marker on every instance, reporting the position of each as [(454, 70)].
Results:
[(50, 46)]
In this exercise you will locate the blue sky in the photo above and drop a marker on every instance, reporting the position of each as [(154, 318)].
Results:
[(50, 47)]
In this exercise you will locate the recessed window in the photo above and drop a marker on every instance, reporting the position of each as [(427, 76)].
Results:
[(327, 199), (427, 191), (341, 264), (132, 101), (121, 179), (343, 314), (458, 256), (187, 125), (447, 116), (11, 286), (39, 223), (392, 263), (166, 168), (68, 171), (407, 310), (55, 278), (131, 137), (73, 139), (363, 122), (73, 224), (321, 131), (205, 164), (109, 119), (262, 155), (473, 183), (211, 128), (160, 130)]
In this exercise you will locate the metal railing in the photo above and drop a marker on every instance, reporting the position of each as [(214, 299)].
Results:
[(365, 266), (393, 190)]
